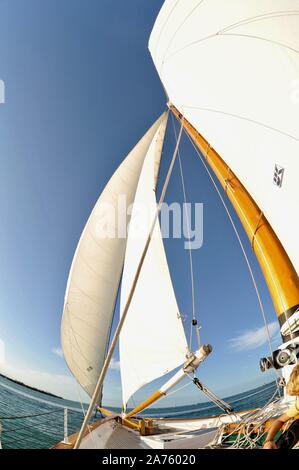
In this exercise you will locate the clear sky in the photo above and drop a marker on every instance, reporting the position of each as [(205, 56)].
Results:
[(80, 90)]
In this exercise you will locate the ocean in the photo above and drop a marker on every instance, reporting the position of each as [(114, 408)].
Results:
[(33, 420)]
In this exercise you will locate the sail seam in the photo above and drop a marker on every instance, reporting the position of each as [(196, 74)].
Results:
[(250, 36), (74, 336), (239, 116), (215, 35), (182, 24), (255, 19), (165, 24)]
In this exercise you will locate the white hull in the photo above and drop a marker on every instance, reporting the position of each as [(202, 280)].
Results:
[(194, 433)]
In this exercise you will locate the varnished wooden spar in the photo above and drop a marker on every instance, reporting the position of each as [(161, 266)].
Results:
[(149, 401), (189, 367), (278, 270)]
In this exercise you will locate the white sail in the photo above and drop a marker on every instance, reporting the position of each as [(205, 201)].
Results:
[(96, 270), (231, 68), (152, 341)]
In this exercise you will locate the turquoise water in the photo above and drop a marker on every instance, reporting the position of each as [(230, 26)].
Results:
[(32, 420)]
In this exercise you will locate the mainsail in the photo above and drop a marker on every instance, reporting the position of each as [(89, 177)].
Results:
[(152, 341), (96, 270), (231, 68)]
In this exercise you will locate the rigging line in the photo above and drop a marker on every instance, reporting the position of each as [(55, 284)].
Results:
[(261, 414), (265, 260), (250, 417), (129, 299), (112, 321), (189, 247), (84, 373), (268, 267), (244, 253), (217, 401), (179, 389), (84, 413)]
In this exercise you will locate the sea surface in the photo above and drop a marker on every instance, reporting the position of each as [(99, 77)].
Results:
[(31, 420)]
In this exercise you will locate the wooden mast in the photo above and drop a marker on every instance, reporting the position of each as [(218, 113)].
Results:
[(279, 272)]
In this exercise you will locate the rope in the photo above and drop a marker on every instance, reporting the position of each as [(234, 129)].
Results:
[(255, 419), (214, 399), (243, 251), (84, 414), (189, 247), (179, 389)]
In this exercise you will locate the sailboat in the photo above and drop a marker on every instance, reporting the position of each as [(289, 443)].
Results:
[(230, 71)]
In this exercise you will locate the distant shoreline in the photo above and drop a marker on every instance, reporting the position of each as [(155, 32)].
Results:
[(30, 388)]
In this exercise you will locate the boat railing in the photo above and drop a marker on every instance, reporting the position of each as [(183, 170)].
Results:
[(39, 430)]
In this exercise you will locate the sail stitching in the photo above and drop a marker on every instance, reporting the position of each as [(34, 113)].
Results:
[(83, 292), (218, 33), (271, 41), (164, 25), (239, 116), (74, 336), (181, 25), (255, 19)]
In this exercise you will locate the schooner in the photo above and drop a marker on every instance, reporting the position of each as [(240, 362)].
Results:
[(230, 71)]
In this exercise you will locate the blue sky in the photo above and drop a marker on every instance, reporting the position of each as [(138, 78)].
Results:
[(80, 91)]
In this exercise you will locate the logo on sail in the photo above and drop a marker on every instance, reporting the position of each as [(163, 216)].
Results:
[(278, 176)]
